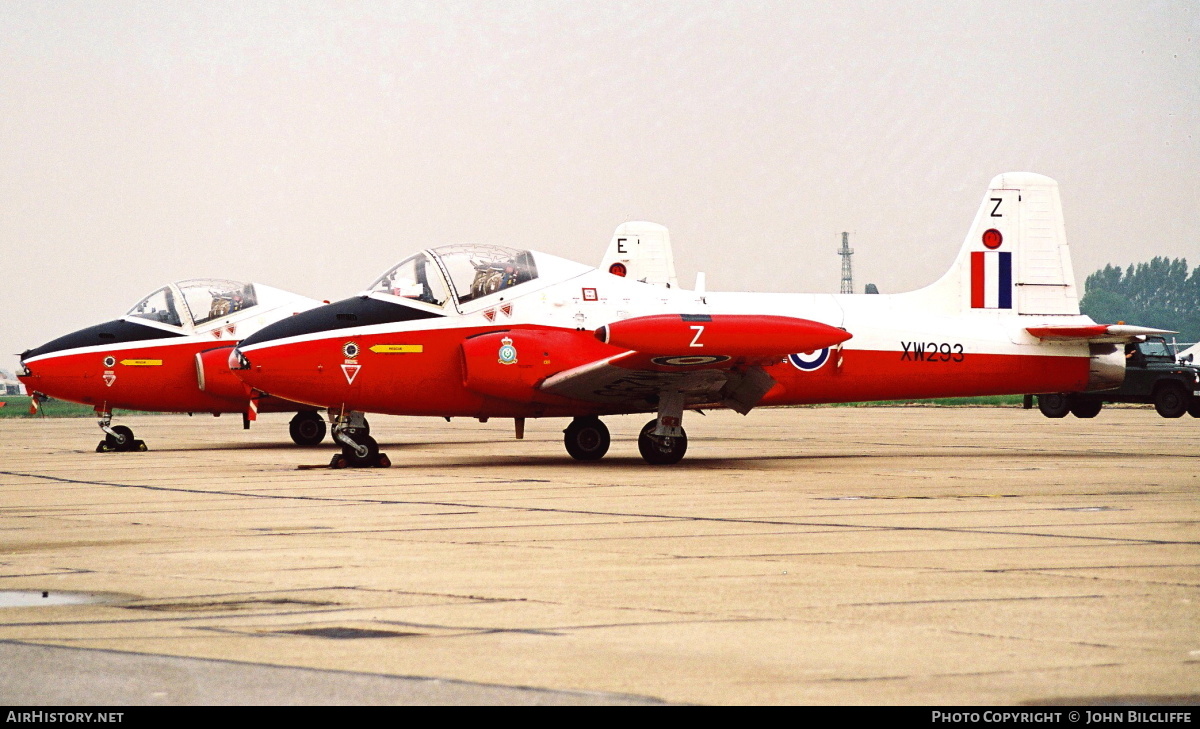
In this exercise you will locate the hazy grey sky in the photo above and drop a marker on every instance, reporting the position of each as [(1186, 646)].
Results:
[(310, 146)]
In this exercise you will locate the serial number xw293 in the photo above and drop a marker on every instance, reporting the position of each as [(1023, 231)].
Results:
[(931, 352)]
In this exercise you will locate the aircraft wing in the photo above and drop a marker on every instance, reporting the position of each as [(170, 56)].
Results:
[(622, 383), (1094, 333), (710, 360)]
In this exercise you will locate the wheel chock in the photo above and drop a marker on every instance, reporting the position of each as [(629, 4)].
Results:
[(340, 461), (138, 446)]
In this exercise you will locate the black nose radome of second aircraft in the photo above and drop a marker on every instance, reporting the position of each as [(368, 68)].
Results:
[(357, 311), (110, 332)]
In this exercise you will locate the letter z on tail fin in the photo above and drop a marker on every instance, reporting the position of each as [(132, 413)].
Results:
[(1015, 258)]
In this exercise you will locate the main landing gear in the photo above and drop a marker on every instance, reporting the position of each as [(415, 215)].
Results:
[(661, 450), (587, 439), (118, 438), (307, 428), (359, 449), (662, 441)]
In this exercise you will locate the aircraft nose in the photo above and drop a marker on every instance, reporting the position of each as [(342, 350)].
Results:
[(24, 373), (298, 357), (357, 311), (117, 331)]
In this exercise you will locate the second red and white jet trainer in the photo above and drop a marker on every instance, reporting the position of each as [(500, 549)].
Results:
[(169, 353), (491, 331)]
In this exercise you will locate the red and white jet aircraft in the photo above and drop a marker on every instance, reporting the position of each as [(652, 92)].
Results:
[(170, 353), (491, 331)]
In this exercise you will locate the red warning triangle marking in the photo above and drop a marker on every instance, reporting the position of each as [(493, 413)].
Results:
[(490, 314), (506, 310), (351, 371), (109, 379)]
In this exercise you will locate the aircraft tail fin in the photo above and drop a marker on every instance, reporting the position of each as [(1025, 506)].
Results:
[(1015, 258), (641, 251)]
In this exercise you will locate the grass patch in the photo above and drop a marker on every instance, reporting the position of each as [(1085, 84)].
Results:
[(982, 401), (17, 406)]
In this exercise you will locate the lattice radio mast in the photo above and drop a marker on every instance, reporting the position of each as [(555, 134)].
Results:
[(847, 275)]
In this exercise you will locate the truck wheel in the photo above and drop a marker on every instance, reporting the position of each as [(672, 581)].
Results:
[(1170, 400), (1086, 407), (1053, 405), (1194, 406)]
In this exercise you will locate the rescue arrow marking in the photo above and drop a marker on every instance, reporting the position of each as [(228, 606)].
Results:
[(398, 348), (142, 362)]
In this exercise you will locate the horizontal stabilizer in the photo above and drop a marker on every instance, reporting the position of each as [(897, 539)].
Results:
[(1094, 333)]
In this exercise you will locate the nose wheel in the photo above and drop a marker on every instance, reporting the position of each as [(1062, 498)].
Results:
[(359, 449), (117, 438)]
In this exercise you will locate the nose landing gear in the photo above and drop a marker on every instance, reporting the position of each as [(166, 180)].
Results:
[(117, 438), (359, 449)]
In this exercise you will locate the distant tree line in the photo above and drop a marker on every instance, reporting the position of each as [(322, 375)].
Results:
[(1161, 294)]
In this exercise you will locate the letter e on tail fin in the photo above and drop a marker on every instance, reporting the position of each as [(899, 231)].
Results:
[(641, 251)]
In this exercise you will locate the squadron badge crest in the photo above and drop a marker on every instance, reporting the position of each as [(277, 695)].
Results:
[(508, 353)]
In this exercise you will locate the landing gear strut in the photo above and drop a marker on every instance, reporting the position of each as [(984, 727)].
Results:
[(117, 438), (359, 449)]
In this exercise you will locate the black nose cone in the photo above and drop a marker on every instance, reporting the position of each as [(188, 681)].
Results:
[(111, 332), (357, 311)]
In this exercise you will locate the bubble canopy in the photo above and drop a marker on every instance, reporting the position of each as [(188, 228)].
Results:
[(465, 272), (195, 302)]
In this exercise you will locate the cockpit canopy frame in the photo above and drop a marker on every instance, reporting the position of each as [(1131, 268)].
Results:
[(195, 302), (461, 273)]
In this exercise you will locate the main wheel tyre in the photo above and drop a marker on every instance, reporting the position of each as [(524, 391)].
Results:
[(1170, 400), (364, 461), (1054, 405), (586, 439), (1086, 407), (307, 429), (124, 442), (661, 450)]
